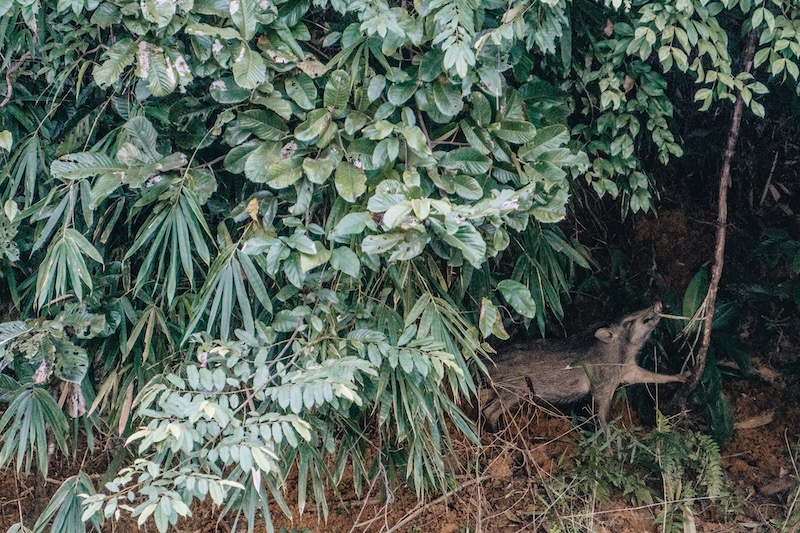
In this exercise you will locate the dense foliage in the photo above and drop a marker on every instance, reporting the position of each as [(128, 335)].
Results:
[(266, 237)]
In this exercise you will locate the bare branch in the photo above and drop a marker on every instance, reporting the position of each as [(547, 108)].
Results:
[(10, 89)]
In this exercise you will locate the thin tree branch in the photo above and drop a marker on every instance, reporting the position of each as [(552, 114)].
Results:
[(10, 89), (722, 221)]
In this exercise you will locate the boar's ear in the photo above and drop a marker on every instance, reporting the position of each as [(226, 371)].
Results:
[(604, 334)]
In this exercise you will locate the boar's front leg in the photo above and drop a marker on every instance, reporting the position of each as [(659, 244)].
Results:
[(601, 397), (633, 374)]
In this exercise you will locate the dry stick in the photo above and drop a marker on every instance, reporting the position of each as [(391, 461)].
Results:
[(722, 221), (422, 508)]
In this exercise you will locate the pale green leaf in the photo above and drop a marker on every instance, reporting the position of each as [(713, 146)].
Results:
[(118, 58), (337, 90), (351, 182), (518, 296), (249, 68), (346, 260)]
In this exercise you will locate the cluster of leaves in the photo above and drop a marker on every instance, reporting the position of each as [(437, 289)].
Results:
[(349, 196), (672, 465)]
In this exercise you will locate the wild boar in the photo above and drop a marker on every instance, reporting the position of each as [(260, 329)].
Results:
[(561, 371)]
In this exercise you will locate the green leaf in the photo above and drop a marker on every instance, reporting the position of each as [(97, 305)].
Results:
[(467, 239), (226, 91), (302, 90), (415, 139), (375, 88), (6, 140), (249, 68), (258, 162), (351, 182), (490, 322), (519, 297), (468, 187), (319, 257), (515, 131), (399, 93), (263, 124), (243, 14), (481, 110), (351, 224), (207, 29), (159, 12), (284, 172), (315, 125), (467, 160), (695, 293), (317, 170), (378, 244), (447, 98), (84, 165), (337, 90), (152, 65), (118, 58), (10, 209), (346, 260), (72, 362)]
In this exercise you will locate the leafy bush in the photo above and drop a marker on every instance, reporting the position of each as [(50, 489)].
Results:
[(282, 229)]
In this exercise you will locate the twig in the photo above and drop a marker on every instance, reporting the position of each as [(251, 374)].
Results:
[(422, 508), (10, 88), (769, 181), (722, 225), (424, 129)]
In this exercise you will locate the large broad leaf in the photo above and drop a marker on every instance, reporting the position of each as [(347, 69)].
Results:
[(546, 139), (257, 164), (72, 362), (490, 321), (118, 58), (415, 139), (152, 65), (263, 124), (243, 13), (518, 296), (468, 187), (337, 90), (481, 110), (144, 136), (351, 182), (285, 172), (249, 68), (84, 165), (159, 12), (467, 239), (315, 125), (695, 293), (318, 170), (399, 93), (378, 244), (319, 257), (467, 160), (302, 90), (515, 131), (351, 224), (226, 91), (447, 98), (346, 260)]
